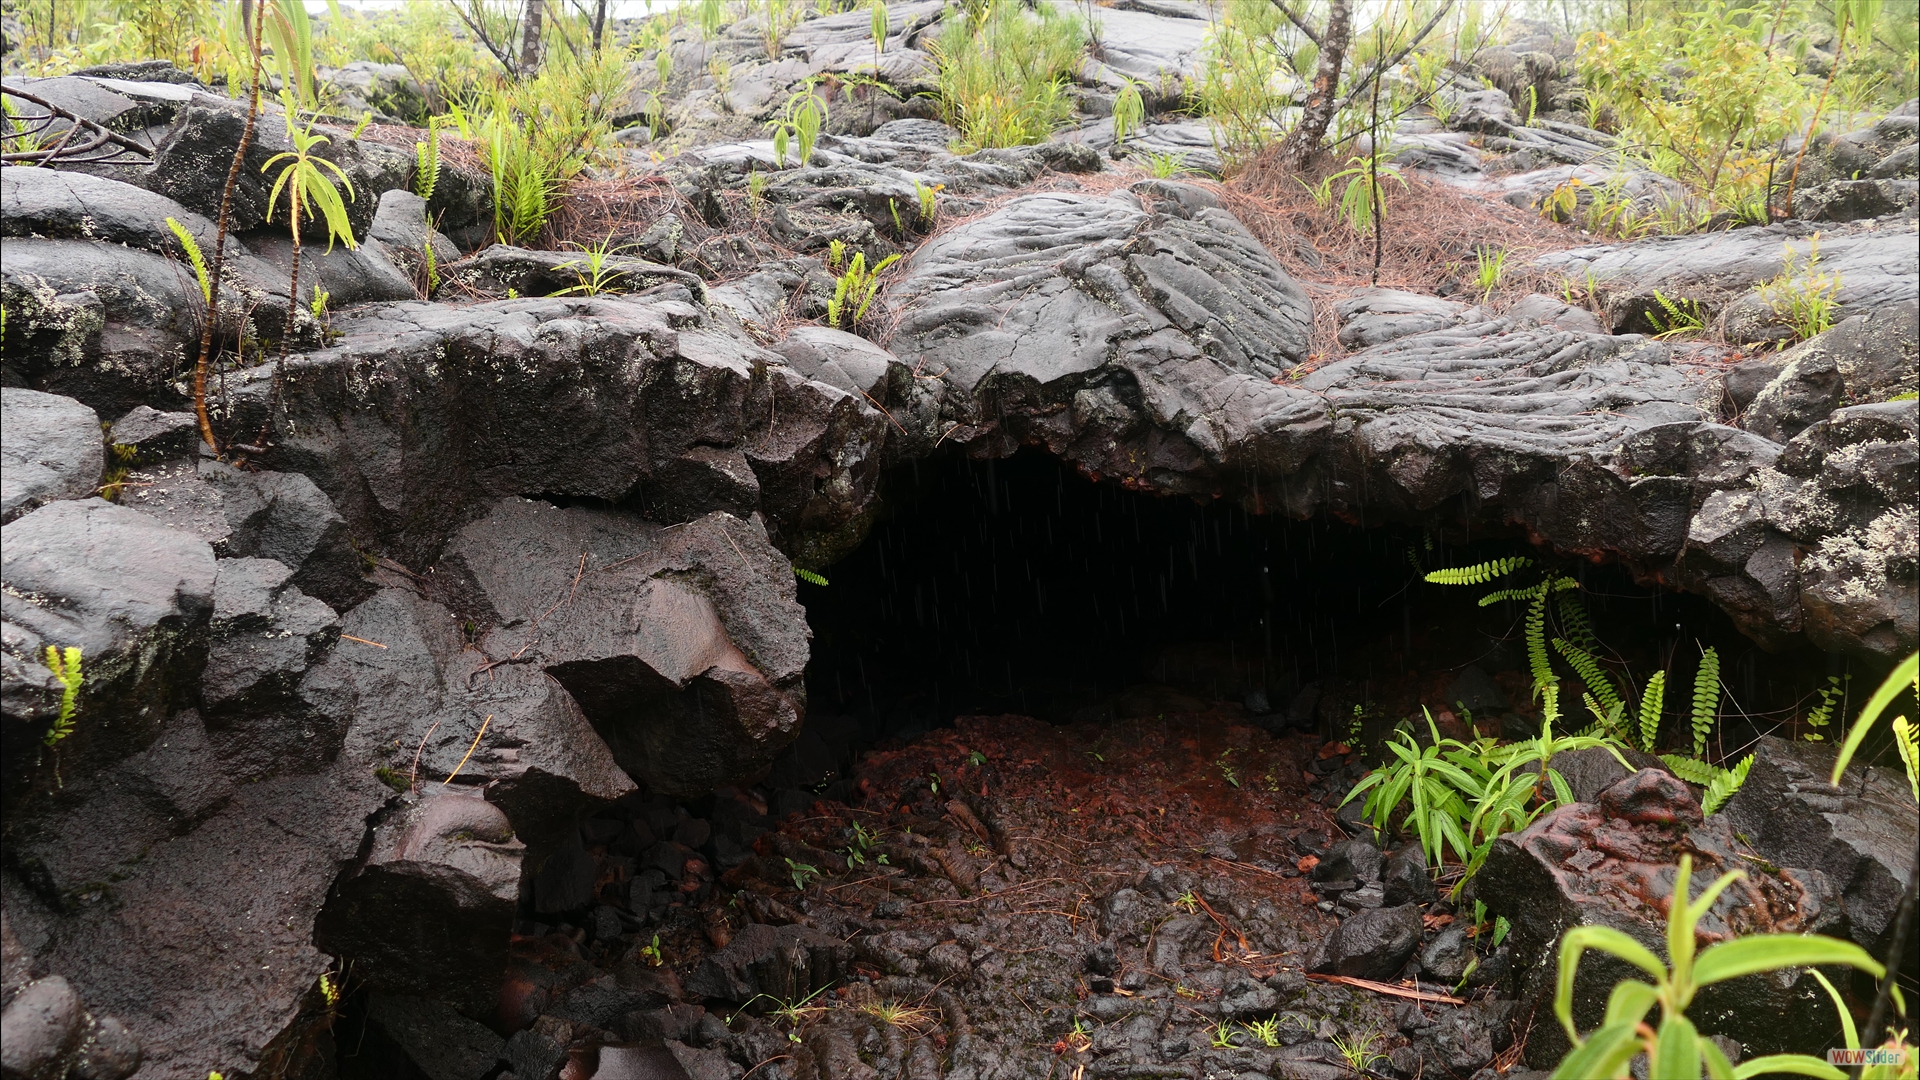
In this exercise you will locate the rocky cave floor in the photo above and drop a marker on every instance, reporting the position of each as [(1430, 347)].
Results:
[(1138, 898)]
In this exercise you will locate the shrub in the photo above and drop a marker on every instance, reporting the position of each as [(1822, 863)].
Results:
[(1004, 70), (1704, 88)]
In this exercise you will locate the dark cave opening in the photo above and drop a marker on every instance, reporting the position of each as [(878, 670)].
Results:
[(1020, 586)]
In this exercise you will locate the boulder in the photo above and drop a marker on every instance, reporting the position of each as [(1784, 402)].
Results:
[(1594, 770), (690, 685), (1851, 200), (64, 205), (191, 161), (152, 436), (1714, 269), (1127, 915), (41, 1030), (1860, 834), (1553, 312), (1376, 316), (1613, 864), (424, 1035), (265, 636), (1404, 878), (1350, 860), (132, 595), (602, 403), (198, 974), (429, 911), (363, 274), (50, 448), (401, 224), (785, 963), (1371, 944), (116, 327), (257, 514), (416, 690)]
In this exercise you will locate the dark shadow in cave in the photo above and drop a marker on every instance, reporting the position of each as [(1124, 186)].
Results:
[(1019, 586)]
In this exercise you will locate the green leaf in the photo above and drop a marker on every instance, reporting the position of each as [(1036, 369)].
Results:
[(1846, 1016), (1676, 1052), (1770, 952), (1607, 940), (1630, 1002), (1797, 1064), (1605, 1054), (1901, 677)]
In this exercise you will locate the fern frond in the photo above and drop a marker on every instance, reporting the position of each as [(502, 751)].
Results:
[(1725, 784), (1478, 573), (1706, 699), (1576, 624), (1821, 713), (1590, 673), (1537, 662), (199, 261), (1651, 702), (1692, 770), (809, 576), (1550, 704)]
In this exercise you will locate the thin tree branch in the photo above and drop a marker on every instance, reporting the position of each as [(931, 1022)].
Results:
[(505, 58), (1378, 67), (1312, 34)]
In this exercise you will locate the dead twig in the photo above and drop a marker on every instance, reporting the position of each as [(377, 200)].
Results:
[(413, 774), (470, 750), (1387, 988)]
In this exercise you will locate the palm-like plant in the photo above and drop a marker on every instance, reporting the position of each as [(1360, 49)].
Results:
[(303, 177)]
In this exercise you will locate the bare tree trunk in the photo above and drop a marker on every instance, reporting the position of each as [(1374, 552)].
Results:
[(1304, 140), (530, 38), (599, 23), (274, 399)]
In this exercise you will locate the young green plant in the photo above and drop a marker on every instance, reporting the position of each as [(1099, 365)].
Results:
[(854, 287), (308, 187), (1673, 1046)]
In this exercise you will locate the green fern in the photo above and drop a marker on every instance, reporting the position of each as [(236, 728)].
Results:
[(1537, 662), (65, 667), (192, 248), (1725, 784), (1683, 316), (1575, 624), (1478, 573), (809, 576), (1692, 770), (1823, 712), (1498, 595), (1651, 702), (1706, 700), (1590, 673), (428, 154)]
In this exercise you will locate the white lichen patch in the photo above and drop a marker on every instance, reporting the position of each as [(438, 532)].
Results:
[(1862, 562)]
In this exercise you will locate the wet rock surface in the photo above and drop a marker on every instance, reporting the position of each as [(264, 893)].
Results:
[(478, 684), (1611, 863), (51, 450)]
